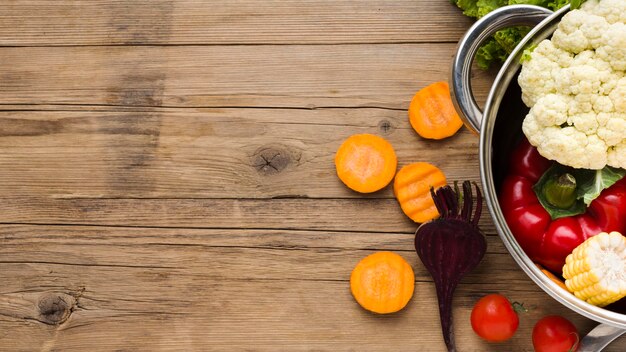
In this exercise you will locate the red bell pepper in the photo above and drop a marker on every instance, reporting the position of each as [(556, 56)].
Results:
[(548, 242)]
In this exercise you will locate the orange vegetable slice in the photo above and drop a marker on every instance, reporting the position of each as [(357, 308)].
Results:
[(412, 190), (366, 163), (382, 282), (553, 277), (432, 113)]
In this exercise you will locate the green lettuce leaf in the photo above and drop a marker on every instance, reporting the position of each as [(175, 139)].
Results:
[(526, 54), (469, 7), (542, 3), (488, 53), (556, 4), (498, 48), (508, 38), (486, 6)]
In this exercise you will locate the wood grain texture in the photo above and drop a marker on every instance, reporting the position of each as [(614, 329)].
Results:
[(292, 76), (156, 289), (374, 215), (167, 22), (167, 184), (204, 153)]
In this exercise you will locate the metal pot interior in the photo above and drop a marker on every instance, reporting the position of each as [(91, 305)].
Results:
[(507, 133)]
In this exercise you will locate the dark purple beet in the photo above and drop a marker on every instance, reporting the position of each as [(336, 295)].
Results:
[(450, 247)]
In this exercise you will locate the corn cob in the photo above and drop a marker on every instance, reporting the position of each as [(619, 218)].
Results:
[(596, 270)]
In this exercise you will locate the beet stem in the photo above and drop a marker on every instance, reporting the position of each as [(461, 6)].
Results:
[(451, 200), (479, 205), (466, 213), (439, 201)]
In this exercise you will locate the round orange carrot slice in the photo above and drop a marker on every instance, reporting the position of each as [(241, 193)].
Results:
[(432, 113), (366, 163), (412, 190), (382, 282)]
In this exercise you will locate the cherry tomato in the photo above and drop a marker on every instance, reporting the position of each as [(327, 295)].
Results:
[(494, 319), (555, 334)]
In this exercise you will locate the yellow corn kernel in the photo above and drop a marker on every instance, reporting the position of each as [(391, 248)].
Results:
[(596, 270)]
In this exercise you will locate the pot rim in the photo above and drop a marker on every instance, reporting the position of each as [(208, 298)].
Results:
[(501, 82)]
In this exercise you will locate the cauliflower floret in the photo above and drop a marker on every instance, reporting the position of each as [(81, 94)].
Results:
[(590, 58), (563, 58), (612, 10), (603, 118), (551, 110), (539, 76), (579, 31), (614, 48), (576, 88), (603, 104), (585, 122), (580, 104), (540, 72), (617, 154), (581, 79), (612, 128), (569, 145), (593, 30), (618, 96)]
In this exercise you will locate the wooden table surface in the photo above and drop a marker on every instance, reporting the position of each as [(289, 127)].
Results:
[(167, 178)]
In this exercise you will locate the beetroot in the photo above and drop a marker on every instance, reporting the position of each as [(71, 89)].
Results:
[(450, 247)]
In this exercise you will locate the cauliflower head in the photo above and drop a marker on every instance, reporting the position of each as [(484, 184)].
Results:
[(575, 87)]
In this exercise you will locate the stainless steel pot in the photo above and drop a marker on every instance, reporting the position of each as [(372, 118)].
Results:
[(500, 128)]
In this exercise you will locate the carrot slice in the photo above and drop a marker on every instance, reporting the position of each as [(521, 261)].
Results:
[(412, 190), (382, 282), (366, 163), (432, 113), (553, 277)]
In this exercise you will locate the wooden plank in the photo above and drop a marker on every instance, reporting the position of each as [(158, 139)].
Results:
[(366, 215), (156, 289), (300, 76), (272, 254), (246, 316), (203, 153), (166, 22)]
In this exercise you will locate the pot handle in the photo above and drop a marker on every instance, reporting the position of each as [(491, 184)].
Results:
[(600, 337), (460, 85)]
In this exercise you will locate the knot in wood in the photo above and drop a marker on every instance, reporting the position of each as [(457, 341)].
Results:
[(54, 309), (385, 126), (271, 160)]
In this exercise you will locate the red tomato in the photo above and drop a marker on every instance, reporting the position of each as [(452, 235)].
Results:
[(555, 334), (494, 319)]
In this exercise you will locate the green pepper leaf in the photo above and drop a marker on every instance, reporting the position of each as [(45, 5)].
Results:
[(589, 186), (553, 172), (592, 182)]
